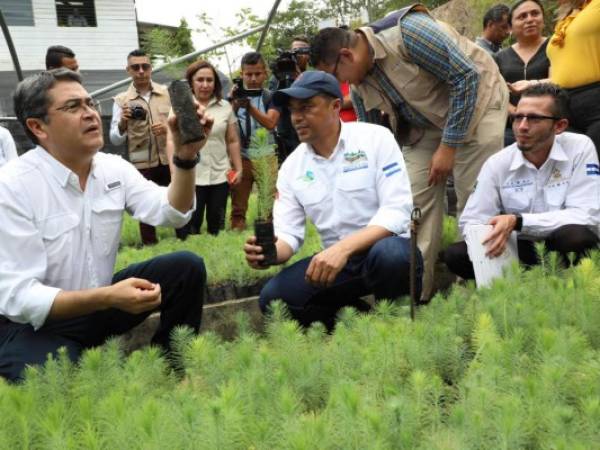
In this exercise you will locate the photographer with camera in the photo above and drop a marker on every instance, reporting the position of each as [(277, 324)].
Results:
[(140, 120), (287, 67), (254, 109)]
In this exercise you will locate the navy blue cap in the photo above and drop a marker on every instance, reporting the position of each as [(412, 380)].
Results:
[(307, 85)]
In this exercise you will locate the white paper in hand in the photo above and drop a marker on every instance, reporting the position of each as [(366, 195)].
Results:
[(487, 269)]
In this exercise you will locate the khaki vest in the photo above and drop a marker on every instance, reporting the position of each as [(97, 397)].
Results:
[(423, 91), (145, 150)]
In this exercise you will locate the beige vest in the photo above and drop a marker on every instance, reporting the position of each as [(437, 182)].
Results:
[(423, 91), (143, 148)]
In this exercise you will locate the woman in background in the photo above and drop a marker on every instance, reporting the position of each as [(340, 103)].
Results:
[(524, 63), (220, 151), (574, 52)]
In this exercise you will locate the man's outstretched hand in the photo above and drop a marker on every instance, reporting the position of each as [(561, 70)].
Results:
[(189, 151), (325, 266), (134, 295)]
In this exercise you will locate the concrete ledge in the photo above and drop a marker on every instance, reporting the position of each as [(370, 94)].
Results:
[(216, 317), (219, 317)]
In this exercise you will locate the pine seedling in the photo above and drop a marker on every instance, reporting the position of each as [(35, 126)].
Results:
[(264, 160)]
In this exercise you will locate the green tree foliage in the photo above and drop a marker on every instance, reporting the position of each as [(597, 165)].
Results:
[(264, 162), (182, 39), (514, 366), (167, 45)]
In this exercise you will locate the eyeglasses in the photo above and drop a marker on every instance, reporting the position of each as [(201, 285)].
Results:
[(136, 67), (339, 57), (335, 67), (75, 105), (532, 118)]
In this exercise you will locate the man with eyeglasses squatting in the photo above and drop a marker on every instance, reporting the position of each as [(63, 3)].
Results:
[(62, 209), (140, 120), (545, 186)]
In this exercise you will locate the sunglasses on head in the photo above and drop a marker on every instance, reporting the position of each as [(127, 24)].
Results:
[(144, 66)]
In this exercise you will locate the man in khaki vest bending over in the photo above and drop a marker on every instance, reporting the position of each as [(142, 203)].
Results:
[(140, 120), (445, 97)]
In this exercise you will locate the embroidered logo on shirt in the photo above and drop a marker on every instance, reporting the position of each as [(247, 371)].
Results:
[(391, 169), (517, 185), (592, 169), (355, 161), (308, 176), (556, 175)]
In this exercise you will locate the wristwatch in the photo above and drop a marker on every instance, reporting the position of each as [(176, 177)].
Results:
[(519, 223), (186, 164)]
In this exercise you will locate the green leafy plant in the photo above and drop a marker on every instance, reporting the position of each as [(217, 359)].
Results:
[(264, 160), (468, 373)]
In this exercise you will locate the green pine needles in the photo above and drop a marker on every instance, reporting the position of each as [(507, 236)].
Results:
[(513, 366), (264, 161)]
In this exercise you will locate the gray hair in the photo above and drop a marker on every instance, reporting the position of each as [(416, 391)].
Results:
[(31, 99)]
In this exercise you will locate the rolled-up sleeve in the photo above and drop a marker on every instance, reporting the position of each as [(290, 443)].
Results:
[(393, 188), (432, 49), (149, 203), (289, 219), (116, 138), (23, 263)]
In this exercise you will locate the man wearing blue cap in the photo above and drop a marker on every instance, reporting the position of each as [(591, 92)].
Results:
[(350, 180)]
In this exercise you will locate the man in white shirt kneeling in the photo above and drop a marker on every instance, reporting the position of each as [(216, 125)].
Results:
[(62, 205), (350, 180), (545, 186)]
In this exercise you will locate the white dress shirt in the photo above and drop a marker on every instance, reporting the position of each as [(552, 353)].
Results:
[(8, 150), (54, 236), (364, 182), (564, 190)]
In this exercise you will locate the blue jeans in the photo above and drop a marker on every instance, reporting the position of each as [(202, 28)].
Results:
[(383, 270), (181, 276)]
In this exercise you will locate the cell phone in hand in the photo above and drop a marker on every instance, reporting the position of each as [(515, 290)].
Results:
[(231, 174)]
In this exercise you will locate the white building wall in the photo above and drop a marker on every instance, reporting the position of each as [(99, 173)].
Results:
[(104, 47)]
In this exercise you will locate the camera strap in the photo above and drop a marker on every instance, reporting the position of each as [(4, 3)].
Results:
[(246, 134)]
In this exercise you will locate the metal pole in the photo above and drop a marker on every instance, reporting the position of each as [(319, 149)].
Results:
[(187, 57), (270, 18), (11, 47), (414, 229)]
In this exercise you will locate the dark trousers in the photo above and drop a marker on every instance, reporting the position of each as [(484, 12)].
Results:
[(383, 271), (161, 176), (213, 199), (584, 111), (567, 239), (240, 195), (182, 278)]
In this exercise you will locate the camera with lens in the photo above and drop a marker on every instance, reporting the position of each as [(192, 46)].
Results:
[(285, 66), (241, 92), (284, 69), (137, 112)]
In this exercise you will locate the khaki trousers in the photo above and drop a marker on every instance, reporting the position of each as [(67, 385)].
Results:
[(486, 140)]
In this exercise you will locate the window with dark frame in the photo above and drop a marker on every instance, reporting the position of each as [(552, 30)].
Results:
[(17, 13), (75, 13)]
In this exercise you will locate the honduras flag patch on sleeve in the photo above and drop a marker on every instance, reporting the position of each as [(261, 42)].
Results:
[(391, 169), (592, 169)]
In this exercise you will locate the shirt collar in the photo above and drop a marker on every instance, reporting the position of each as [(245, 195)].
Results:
[(155, 89), (556, 153), (376, 46), (340, 146), (58, 170), (491, 45)]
